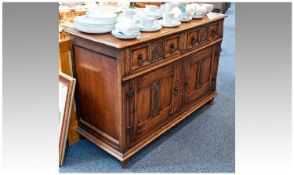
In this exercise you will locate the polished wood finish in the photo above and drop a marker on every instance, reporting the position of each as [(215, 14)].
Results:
[(129, 92)]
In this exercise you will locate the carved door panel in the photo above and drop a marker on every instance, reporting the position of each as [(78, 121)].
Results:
[(155, 99), (197, 78)]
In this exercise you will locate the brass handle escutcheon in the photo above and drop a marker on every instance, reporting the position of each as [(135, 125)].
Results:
[(193, 40), (187, 84), (172, 48), (140, 60), (176, 91)]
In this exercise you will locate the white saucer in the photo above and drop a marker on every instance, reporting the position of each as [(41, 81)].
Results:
[(174, 23), (154, 28), (188, 19), (198, 17), (120, 35)]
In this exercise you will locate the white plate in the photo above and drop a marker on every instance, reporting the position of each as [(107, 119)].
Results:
[(94, 29), (198, 17), (174, 23), (154, 28), (120, 35), (188, 19)]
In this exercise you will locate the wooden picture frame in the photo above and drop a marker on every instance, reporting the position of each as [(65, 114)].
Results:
[(66, 93)]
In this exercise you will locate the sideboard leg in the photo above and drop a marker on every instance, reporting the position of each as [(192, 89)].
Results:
[(125, 163), (210, 102)]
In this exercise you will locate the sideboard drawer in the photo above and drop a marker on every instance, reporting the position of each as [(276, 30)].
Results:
[(139, 56), (172, 45), (192, 39), (213, 32)]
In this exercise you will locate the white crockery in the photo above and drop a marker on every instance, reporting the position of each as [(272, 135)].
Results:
[(147, 21), (200, 10), (186, 19), (86, 20), (154, 28), (94, 29), (209, 7), (151, 8), (120, 35), (177, 12), (129, 13), (173, 23), (102, 17), (127, 26), (191, 8), (167, 17)]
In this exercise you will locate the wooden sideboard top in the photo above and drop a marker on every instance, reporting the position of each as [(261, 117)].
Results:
[(110, 40)]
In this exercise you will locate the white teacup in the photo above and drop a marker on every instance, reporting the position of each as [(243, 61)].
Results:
[(167, 17), (200, 10), (129, 13), (151, 8), (127, 26), (147, 21), (168, 6)]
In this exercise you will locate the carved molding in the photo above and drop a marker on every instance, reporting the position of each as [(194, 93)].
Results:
[(157, 51), (155, 90), (203, 35)]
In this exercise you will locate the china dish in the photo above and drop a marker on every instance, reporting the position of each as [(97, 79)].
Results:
[(198, 16), (94, 29), (173, 23), (186, 19), (91, 25), (154, 28), (120, 35), (209, 7)]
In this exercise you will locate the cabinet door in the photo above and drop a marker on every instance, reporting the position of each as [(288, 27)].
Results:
[(156, 97), (197, 78)]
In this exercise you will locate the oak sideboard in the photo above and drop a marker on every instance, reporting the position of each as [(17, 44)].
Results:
[(129, 92)]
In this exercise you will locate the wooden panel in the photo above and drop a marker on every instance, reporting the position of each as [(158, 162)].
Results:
[(97, 100), (154, 97), (197, 75)]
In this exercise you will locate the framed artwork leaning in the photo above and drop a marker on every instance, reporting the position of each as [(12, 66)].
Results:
[(66, 93)]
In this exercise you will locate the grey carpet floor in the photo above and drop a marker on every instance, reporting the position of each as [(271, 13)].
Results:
[(204, 142)]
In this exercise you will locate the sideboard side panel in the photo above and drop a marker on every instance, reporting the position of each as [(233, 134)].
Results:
[(97, 94)]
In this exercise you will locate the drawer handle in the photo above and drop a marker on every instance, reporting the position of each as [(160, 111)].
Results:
[(176, 91), (172, 48), (187, 84), (214, 34), (140, 60), (193, 41)]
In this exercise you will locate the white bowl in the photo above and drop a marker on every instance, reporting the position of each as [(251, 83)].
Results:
[(102, 17), (89, 21), (209, 7), (94, 29)]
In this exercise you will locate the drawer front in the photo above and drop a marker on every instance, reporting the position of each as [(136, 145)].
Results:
[(193, 39), (139, 57), (213, 32), (173, 45)]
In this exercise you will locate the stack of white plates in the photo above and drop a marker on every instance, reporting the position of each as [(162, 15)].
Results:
[(95, 22)]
